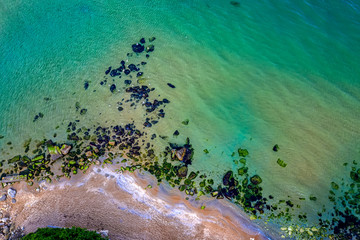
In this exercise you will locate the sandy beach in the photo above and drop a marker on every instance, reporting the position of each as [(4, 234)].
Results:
[(124, 205)]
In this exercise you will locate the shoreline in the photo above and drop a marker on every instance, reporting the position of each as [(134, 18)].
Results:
[(122, 204)]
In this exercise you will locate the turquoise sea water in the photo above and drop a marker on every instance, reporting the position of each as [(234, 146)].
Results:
[(249, 75)]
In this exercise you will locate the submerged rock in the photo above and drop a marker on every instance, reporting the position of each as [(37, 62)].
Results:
[(112, 88), (256, 179), (152, 39), (83, 111), (227, 178), (138, 48), (150, 48), (276, 148), (170, 85)]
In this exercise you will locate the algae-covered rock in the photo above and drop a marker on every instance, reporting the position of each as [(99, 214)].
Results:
[(14, 159), (355, 176), (182, 172), (334, 186), (54, 151), (38, 158), (281, 163), (312, 198), (276, 148), (242, 171), (185, 122), (256, 179), (192, 175), (243, 152)]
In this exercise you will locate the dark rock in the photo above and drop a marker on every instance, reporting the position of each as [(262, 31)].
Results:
[(170, 85), (107, 71), (138, 48), (36, 118), (147, 55), (127, 82), (112, 88), (165, 100), (227, 178), (139, 74), (86, 85), (120, 109), (114, 73), (143, 63), (176, 133), (235, 3), (133, 68), (142, 40), (147, 124), (161, 114), (276, 148), (83, 111), (127, 71), (150, 48), (101, 83)]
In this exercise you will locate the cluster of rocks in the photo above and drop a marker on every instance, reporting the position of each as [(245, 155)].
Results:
[(38, 116), (137, 91), (11, 193)]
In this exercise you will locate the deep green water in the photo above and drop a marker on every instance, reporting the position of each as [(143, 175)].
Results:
[(253, 75)]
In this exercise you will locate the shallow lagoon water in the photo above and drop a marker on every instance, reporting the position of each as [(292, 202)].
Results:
[(253, 75)]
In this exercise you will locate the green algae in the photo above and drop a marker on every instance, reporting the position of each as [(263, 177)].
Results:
[(243, 152), (281, 163)]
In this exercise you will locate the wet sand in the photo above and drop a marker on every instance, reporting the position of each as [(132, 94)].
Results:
[(123, 205)]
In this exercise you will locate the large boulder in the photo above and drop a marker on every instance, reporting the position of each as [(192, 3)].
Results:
[(138, 48), (65, 149), (12, 192), (180, 153)]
